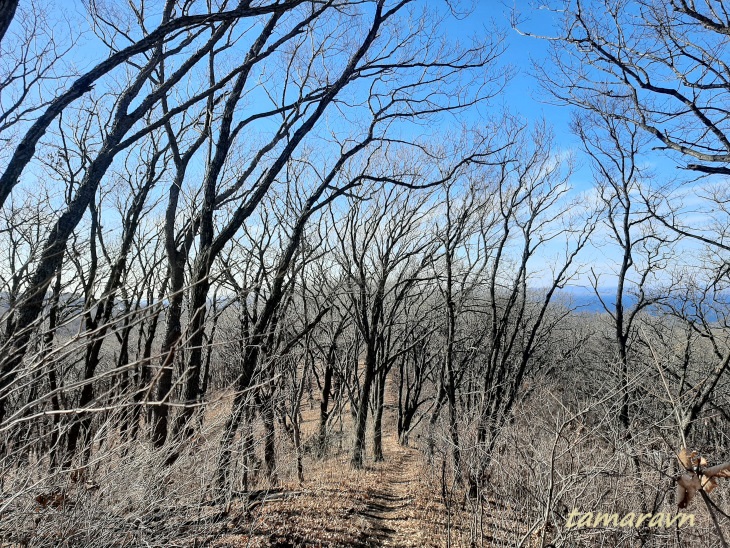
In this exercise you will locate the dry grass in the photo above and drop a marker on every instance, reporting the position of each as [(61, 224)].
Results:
[(405, 501), (141, 502), (393, 503)]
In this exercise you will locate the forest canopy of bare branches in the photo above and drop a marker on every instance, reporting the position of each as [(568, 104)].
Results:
[(309, 273)]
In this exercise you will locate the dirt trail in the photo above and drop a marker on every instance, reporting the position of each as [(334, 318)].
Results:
[(388, 503), (387, 508)]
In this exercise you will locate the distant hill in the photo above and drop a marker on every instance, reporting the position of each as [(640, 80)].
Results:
[(585, 299)]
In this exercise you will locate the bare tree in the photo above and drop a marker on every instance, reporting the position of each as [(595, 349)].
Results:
[(530, 186), (661, 60), (614, 147), (383, 253)]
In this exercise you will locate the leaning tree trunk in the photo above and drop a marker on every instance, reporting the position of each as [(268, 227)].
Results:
[(173, 332), (7, 12), (52, 375)]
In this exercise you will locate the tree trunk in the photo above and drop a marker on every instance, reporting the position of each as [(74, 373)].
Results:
[(198, 309), (324, 409), (363, 405), (378, 423), (298, 447), (248, 367), (173, 331), (454, 432), (125, 420), (7, 12), (267, 414), (143, 379), (431, 441)]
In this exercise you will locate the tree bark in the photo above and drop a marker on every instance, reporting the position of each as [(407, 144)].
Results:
[(363, 406), (324, 408), (7, 12), (378, 422)]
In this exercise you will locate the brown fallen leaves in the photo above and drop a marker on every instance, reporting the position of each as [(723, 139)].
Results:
[(697, 476), (54, 499)]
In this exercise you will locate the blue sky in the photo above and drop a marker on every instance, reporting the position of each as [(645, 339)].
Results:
[(527, 99), (523, 97)]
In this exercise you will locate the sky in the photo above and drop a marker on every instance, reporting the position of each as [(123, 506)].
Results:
[(523, 97), (526, 98)]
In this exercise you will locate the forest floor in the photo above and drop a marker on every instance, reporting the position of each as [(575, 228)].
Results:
[(376, 506), (403, 501), (391, 503)]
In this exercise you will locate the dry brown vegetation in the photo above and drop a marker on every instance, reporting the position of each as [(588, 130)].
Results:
[(407, 500), (397, 502)]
